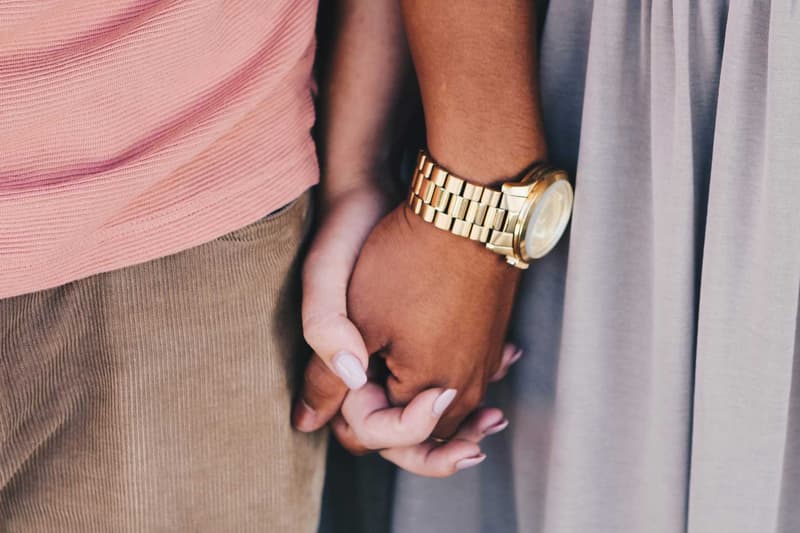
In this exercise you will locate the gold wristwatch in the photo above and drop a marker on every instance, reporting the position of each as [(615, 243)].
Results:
[(522, 221)]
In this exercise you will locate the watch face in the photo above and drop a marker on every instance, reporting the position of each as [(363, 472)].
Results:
[(548, 219)]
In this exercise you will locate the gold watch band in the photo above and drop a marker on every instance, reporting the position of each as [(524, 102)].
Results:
[(455, 205)]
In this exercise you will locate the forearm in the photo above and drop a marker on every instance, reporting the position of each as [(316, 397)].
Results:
[(476, 66), (360, 92)]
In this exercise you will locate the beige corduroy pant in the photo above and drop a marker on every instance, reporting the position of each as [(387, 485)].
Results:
[(157, 397)]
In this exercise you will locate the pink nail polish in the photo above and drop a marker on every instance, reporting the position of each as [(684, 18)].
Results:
[(470, 461), (516, 357), (496, 428), (443, 402), (349, 368)]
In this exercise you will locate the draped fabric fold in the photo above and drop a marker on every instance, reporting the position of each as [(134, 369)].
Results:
[(660, 387)]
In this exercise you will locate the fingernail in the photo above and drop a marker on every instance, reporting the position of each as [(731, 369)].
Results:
[(443, 401), (516, 356), (496, 428), (470, 461), (305, 417), (349, 368)]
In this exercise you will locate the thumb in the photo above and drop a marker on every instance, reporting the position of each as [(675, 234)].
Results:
[(326, 274), (341, 356), (337, 364), (322, 396), (339, 345)]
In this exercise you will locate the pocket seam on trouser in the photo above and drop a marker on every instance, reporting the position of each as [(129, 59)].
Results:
[(273, 223)]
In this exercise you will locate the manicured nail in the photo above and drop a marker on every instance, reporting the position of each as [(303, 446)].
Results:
[(443, 402), (496, 428), (349, 368), (470, 461), (305, 417), (516, 357)]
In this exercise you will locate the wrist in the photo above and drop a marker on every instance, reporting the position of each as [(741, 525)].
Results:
[(456, 253), (494, 163), (338, 183)]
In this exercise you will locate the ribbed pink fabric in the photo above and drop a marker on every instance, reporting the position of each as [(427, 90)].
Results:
[(133, 129)]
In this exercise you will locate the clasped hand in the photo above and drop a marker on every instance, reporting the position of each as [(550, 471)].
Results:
[(407, 323)]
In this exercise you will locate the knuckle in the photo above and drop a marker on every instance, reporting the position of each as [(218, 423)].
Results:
[(471, 399), (318, 372), (399, 392), (320, 383)]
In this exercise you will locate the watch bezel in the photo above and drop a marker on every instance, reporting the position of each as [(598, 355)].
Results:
[(542, 181)]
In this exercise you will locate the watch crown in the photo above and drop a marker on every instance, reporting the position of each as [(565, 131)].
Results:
[(513, 261)]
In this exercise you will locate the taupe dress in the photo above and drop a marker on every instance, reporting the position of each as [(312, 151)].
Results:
[(660, 390)]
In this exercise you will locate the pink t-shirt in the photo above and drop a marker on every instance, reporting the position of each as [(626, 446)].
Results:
[(133, 129)]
